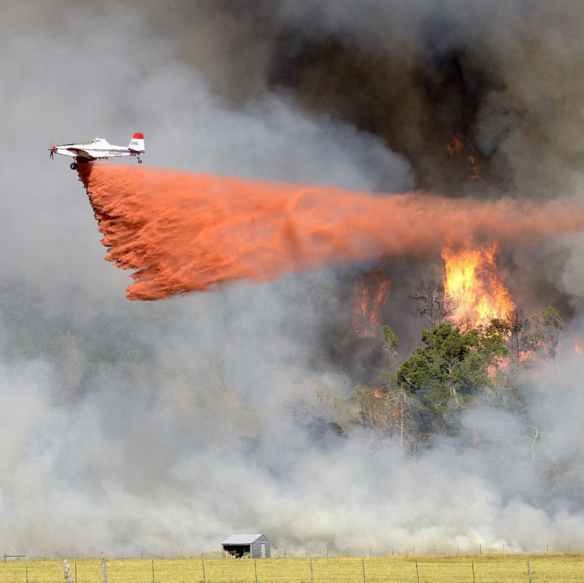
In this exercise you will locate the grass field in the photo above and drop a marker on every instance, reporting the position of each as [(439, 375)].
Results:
[(564, 568)]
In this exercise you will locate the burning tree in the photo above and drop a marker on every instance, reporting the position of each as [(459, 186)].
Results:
[(371, 293), (433, 303), (516, 329)]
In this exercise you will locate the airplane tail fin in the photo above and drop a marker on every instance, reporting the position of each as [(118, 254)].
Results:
[(137, 143)]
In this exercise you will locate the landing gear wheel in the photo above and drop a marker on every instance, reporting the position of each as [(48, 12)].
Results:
[(139, 161), (73, 166)]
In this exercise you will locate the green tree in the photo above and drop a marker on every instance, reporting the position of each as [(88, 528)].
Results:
[(450, 369), (403, 405), (548, 325), (515, 328), (390, 344)]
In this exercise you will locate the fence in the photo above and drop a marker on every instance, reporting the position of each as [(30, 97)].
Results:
[(426, 569)]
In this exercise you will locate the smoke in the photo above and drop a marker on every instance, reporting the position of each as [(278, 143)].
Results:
[(189, 232), (130, 426)]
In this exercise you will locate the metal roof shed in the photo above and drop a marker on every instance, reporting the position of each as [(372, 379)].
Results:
[(256, 546)]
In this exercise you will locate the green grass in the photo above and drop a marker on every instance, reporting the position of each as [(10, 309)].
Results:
[(552, 568)]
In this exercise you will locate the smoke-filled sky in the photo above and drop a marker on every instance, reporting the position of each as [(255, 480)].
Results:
[(128, 426)]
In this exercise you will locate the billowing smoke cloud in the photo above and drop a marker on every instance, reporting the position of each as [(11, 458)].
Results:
[(186, 232), (132, 426)]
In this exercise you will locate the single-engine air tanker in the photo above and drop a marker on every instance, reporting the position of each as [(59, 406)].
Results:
[(98, 149)]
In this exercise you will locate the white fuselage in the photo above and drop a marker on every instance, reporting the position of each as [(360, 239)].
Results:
[(97, 148)]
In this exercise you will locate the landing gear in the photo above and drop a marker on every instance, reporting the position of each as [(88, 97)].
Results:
[(139, 161), (73, 166)]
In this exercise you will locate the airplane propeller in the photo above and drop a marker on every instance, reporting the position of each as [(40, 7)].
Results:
[(52, 150)]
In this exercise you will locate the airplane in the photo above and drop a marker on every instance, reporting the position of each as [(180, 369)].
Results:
[(99, 149)]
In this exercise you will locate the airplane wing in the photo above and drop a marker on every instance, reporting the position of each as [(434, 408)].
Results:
[(82, 153)]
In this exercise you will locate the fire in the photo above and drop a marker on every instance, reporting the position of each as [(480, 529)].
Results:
[(458, 149), (455, 147), (475, 283), (379, 392), (578, 344), (371, 293)]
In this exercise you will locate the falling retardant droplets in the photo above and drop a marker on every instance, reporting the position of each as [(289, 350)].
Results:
[(182, 232)]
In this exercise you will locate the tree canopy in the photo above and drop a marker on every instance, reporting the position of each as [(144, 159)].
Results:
[(451, 367)]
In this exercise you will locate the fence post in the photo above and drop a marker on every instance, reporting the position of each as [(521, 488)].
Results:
[(75, 571), (153, 577), (103, 570), (363, 565), (255, 566), (311, 571), (27, 574), (67, 571), (473, 572), (417, 572), (529, 575), (204, 575)]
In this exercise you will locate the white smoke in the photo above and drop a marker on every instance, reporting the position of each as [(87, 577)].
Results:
[(140, 427)]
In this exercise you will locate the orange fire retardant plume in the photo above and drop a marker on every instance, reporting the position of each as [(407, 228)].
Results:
[(182, 232)]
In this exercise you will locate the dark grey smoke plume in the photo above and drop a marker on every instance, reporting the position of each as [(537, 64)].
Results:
[(505, 75), (127, 427)]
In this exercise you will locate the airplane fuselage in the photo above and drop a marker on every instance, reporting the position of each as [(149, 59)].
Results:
[(100, 149)]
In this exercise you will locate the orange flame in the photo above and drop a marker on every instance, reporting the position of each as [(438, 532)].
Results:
[(578, 344), (474, 282), (455, 147), (371, 294), (458, 149), (379, 392)]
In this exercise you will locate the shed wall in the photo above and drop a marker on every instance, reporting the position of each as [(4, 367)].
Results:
[(256, 548)]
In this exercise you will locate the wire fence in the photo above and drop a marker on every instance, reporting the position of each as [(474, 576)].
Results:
[(544, 568)]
